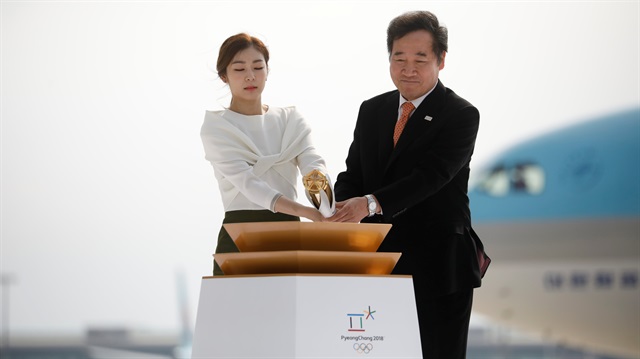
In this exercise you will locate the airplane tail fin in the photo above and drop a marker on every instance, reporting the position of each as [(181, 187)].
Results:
[(183, 350)]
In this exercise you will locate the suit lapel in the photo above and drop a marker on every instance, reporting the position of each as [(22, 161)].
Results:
[(388, 116)]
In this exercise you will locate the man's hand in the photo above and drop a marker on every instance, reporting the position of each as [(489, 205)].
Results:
[(352, 210)]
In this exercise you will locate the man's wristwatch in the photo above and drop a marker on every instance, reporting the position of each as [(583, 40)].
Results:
[(371, 205)]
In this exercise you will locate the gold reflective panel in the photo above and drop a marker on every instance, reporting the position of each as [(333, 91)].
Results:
[(307, 247), (318, 236), (316, 262)]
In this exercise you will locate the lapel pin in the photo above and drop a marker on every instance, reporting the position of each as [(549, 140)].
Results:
[(428, 118)]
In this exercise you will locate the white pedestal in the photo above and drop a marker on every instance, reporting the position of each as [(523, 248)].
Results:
[(307, 316)]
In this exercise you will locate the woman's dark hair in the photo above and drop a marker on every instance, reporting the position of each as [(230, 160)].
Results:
[(418, 20), (234, 44)]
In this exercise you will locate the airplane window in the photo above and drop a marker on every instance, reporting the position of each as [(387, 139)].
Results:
[(629, 279), (496, 183), (604, 279), (528, 178), (579, 280), (553, 280)]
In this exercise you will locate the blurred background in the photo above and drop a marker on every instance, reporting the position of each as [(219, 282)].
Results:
[(110, 213)]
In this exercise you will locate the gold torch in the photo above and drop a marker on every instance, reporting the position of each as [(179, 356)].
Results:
[(320, 192)]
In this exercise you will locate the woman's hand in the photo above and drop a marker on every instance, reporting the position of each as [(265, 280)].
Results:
[(285, 205)]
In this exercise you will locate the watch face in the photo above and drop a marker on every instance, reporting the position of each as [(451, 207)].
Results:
[(372, 206)]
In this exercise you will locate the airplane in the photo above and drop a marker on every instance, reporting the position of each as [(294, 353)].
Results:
[(559, 214), (181, 351)]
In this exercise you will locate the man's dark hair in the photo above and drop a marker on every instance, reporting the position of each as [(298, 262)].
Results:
[(419, 20)]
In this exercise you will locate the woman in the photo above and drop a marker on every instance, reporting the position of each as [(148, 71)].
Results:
[(256, 150)]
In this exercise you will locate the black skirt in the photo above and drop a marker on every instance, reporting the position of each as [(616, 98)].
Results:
[(225, 243)]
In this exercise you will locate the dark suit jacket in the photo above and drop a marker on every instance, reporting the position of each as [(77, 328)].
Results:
[(421, 186)]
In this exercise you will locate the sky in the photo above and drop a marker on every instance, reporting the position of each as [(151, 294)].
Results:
[(105, 193)]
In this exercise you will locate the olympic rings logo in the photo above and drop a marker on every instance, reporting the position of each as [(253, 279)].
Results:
[(361, 348)]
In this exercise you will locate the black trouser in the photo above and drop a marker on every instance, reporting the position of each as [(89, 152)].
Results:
[(226, 244), (444, 324)]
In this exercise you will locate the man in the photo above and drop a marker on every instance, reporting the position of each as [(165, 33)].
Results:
[(419, 184)]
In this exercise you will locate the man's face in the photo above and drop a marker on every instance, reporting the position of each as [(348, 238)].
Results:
[(413, 66)]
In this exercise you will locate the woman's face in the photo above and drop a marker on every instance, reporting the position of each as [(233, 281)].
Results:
[(247, 75)]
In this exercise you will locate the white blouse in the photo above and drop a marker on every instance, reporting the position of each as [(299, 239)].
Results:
[(256, 158)]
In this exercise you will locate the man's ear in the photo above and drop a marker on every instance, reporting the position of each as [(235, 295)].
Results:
[(441, 65), (223, 78)]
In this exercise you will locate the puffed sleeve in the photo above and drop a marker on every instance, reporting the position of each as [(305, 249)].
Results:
[(308, 159)]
